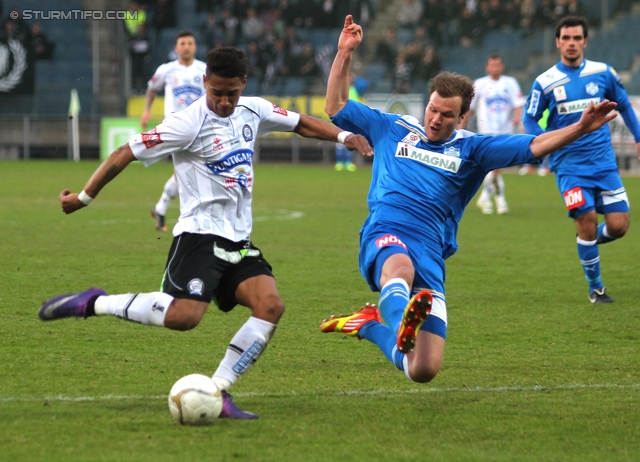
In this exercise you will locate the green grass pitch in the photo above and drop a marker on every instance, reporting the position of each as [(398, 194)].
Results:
[(532, 370)]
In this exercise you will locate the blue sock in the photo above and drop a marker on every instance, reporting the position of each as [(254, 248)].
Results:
[(603, 236), (385, 338), (394, 298), (590, 260)]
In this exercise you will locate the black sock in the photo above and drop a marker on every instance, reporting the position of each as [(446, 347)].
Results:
[(91, 306)]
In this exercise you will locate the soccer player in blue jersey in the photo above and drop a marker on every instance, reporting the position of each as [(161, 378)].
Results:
[(423, 177), (586, 170)]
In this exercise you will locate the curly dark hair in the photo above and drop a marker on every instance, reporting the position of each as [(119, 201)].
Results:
[(227, 62), (451, 84)]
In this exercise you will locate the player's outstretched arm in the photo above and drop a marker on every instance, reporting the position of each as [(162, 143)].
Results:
[(312, 127), (338, 82), (107, 171), (592, 118)]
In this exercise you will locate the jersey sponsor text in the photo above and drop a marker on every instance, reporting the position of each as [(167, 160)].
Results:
[(435, 159)]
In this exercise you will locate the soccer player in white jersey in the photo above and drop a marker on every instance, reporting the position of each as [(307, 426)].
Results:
[(497, 106), (182, 81), (586, 171), (423, 177), (212, 256)]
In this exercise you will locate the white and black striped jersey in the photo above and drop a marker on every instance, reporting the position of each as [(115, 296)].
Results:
[(212, 157)]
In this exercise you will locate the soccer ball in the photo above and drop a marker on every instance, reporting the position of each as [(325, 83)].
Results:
[(195, 400)]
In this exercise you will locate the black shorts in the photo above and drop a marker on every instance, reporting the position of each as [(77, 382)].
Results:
[(206, 267)]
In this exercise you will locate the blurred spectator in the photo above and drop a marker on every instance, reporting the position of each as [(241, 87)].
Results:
[(430, 64), (402, 75), (239, 9), (386, 49), (306, 64), (251, 25), (434, 19), (293, 42), (528, 14), (410, 13), (328, 15), (288, 12), (165, 15), (546, 14), (575, 8), (512, 11), (412, 54), (257, 58), (20, 30), (212, 33), (132, 21), (280, 64), (42, 47), (230, 27), (274, 25), (140, 52), (497, 15), (470, 29), (363, 11)]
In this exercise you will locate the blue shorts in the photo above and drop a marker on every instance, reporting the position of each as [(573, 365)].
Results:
[(378, 243), (602, 192)]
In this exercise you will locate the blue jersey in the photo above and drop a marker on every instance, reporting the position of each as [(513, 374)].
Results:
[(424, 186), (567, 92)]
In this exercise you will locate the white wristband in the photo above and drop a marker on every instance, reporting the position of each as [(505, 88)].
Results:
[(85, 198), (343, 136)]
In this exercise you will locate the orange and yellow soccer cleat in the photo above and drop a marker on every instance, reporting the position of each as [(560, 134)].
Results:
[(350, 324), (414, 315)]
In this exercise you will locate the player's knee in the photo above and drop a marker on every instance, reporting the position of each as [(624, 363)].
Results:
[(618, 230), (183, 316), (423, 373), (270, 308)]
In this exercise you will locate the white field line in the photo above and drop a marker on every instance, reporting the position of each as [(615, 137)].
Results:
[(575, 386)]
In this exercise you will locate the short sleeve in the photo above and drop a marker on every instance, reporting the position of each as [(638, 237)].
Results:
[(156, 82), (360, 119), (274, 118)]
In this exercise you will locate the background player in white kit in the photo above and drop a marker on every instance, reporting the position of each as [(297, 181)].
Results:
[(497, 106), (212, 256), (182, 83)]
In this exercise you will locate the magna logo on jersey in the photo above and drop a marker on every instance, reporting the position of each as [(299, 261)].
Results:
[(435, 159), (151, 139), (389, 239), (576, 106), (574, 198)]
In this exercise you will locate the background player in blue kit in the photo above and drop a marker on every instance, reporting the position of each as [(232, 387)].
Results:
[(422, 179), (586, 170)]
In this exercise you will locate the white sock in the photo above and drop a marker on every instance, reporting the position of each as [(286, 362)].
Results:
[(148, 309), (169, 193), (244, 350)]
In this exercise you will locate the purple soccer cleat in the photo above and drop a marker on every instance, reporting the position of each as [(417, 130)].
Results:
[(231, 411), (69, 305)]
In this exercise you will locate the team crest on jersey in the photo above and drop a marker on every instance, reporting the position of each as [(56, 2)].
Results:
[(389, 239), (434, 159), (411, 139), (560, 93), (279, 110), (195, 286), (151, 139), (574, 198), (592, 88), (452, 151), (247, 133)]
